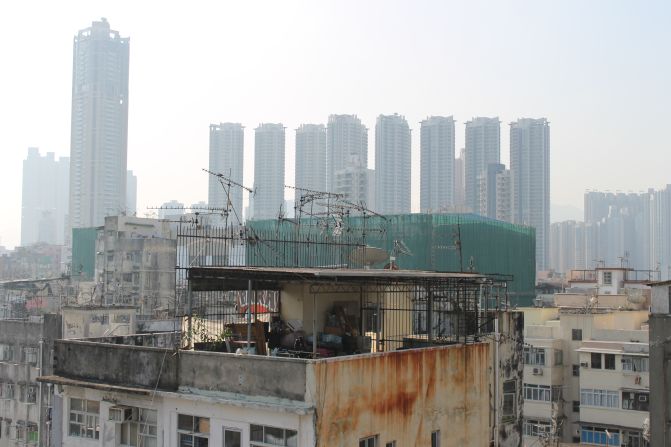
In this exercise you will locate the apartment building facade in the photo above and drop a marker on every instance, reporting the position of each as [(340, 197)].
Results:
[(25, 354), (586, 373)]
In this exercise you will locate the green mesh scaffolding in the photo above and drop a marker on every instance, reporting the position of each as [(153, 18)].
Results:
[(437, 242)]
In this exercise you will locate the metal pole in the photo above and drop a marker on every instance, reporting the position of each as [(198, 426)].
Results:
[(429, 316), (189, 312), (314, 325), (40, 417), (496, 380), (249, 315)]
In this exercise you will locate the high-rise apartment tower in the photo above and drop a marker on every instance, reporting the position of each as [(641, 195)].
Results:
[(268, 170), (483, 147), (226, 158), (99, 126), (530, 181), (437, 164), (346, 146), (310, 172), (392, 165)]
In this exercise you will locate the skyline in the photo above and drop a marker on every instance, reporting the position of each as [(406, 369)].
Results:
[(602, 86)]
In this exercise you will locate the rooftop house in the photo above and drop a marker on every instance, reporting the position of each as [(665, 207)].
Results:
[(304, 357)]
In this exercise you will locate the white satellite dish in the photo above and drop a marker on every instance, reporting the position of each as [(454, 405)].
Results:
[(368, 256)]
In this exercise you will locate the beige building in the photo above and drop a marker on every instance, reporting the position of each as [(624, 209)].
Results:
[(586, 376)]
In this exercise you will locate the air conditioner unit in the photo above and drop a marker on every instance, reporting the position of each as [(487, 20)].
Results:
[(643, 398), (538, 371), (584, 364), (120, 414)]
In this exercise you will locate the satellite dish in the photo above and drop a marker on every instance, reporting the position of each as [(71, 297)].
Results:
[(368, 256)]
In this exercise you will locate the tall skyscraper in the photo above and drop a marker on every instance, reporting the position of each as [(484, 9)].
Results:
[(437, 164), (99, 126), (268, 170), (346, 146), (44, 199), (530, 180), (226, 158), (131, 193), (310, 172), (483, 147), (392, 164)]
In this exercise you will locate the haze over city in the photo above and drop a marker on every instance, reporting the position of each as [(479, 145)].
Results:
[(597, 71)]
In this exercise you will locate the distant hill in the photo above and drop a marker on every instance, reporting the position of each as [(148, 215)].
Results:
[(559, 212)]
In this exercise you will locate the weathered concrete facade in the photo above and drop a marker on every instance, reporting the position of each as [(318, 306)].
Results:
[(25, 354), (660, 354), (456, 391)]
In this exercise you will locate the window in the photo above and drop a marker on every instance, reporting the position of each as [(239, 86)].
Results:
[(28, 393), (576, 370), (536, 428), (599, 398), (635, 439), (559, 357), (370, 441), (30, 355), (26, 432), (599, 436), (576, 334), (509, 399), (193, 431), (232, 437), (607, 278), (6, 391), (609, 361), (596, 360), (261, 435), (84, 418), (435, 438), (6, 353), (139, 430), (534, 356), (543, 393), (576, 406), (632, 400), (634, 364)]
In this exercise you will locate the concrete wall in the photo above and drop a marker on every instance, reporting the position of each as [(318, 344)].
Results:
[(660, 380), (246, 375), (404, 396), (117, 364)]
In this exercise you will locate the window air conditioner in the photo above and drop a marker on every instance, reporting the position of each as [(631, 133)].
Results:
[(642, 398), (584, 364), (538, 371)]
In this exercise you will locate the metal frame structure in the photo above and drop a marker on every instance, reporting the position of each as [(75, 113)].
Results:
[(397, 309)]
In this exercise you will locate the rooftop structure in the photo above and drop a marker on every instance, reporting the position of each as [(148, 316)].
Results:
[(355, 356)]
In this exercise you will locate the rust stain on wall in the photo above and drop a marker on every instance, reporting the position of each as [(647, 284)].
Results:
[(403, 396)]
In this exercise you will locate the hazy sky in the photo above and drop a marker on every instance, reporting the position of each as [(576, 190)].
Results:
[(598, 70)]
